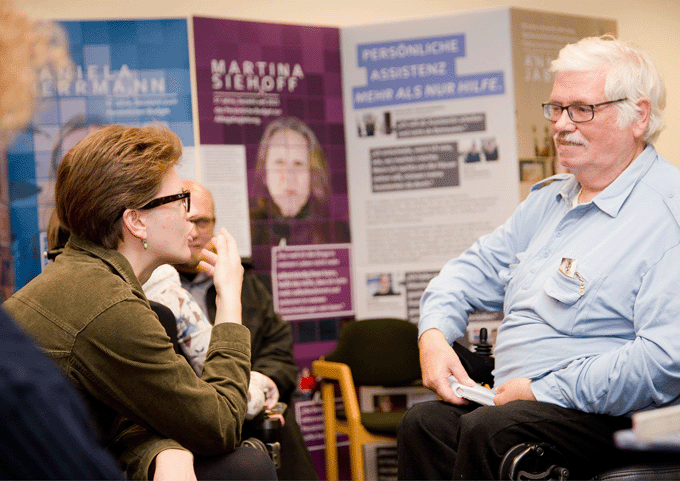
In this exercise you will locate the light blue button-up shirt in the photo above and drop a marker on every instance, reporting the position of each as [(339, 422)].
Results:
[(605, 339)]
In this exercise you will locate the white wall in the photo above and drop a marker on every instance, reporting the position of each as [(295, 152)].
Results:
[(651, 24)]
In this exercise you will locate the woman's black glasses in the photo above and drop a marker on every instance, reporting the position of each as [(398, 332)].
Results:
[(185, 197)]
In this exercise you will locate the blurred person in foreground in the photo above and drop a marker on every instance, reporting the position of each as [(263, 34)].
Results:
[(46, 432), (121, 199), (586, 273), (271, 337)]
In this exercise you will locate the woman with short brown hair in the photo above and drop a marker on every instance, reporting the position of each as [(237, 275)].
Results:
[(118, 193)]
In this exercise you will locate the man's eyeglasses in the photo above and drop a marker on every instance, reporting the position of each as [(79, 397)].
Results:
[(185, 197), (577, 112), (203, 223)]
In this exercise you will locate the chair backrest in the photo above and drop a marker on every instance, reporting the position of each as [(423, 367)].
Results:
[(379, 351), (168, 321)]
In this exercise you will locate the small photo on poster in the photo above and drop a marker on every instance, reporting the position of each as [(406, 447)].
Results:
[(372, 124), (472, 153), (382, 284), (490, 149), (386, 403), (479, 150)]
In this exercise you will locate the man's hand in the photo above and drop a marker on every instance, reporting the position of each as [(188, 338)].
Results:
[(174, 465), (262, 393), (514, 390), (271, 391), (438, 361), (224, 265)]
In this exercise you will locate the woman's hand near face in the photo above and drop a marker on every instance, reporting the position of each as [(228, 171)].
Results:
[(224, 265)]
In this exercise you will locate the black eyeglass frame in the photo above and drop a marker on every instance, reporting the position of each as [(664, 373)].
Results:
[(170, 198), (202, 223), (548, 113)]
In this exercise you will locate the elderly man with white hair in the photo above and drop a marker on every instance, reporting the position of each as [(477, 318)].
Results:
[(586, 273)]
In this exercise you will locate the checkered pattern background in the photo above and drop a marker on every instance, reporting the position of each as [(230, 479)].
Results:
[(317, 101)]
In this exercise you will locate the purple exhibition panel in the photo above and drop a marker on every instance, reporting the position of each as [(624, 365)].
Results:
[(312, 281), (270, 105), (270, 109), (309, 415), (250, 74)]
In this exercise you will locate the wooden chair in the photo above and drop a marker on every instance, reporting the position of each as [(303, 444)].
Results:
[(373, 352)]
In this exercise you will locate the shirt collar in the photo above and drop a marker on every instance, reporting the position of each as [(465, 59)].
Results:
[(200, 278), (611, 199), (570, 189)]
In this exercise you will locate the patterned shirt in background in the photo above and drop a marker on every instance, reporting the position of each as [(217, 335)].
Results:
[(193, 328)]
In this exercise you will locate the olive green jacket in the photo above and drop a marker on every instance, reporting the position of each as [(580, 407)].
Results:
[(88, 311)]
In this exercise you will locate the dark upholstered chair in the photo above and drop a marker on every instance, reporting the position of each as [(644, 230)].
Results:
[(168, 321), (372, 352)]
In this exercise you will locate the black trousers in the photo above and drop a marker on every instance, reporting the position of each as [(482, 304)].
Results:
[(244, 463), (437, 440)]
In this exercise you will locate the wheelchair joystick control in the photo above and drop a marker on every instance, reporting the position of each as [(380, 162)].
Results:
[(267, 432), (483, 347)]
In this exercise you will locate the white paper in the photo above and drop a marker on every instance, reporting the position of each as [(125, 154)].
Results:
[(223, 170)]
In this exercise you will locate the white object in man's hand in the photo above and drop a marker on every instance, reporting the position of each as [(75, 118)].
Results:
[(438, 361), (477, 393)]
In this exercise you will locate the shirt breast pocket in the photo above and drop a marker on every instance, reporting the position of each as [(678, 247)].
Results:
[(567, 299)]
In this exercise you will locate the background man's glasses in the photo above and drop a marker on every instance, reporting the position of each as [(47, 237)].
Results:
[(203, 223), (577, 112), (185, 197)]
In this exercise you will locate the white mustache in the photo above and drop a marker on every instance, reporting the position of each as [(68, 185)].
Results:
[(571, 138)]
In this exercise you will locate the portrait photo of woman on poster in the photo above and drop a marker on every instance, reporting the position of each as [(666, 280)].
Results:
[(292, 188)]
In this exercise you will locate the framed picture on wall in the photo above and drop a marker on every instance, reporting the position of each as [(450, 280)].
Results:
[(531, 170)]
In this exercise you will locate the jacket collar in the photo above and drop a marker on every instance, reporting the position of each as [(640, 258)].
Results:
[(117, 261)]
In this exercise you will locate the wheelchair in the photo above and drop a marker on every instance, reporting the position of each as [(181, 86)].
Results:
[(267, 429), (542, 461), (528, 461), (531, 461)]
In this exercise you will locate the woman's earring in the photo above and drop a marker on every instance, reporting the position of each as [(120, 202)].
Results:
[(144, 244)]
